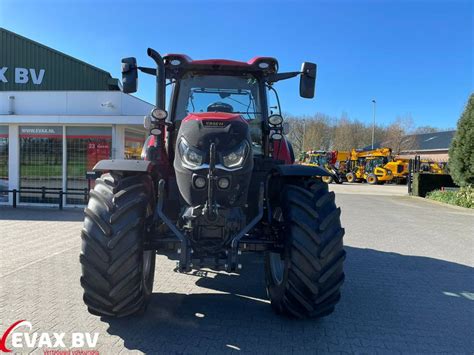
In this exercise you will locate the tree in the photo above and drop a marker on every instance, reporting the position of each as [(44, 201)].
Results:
[(396, 135), (461, 152), (297, 128), (426, 129)]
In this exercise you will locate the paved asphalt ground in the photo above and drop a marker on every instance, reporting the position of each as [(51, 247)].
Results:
[(409, 287)]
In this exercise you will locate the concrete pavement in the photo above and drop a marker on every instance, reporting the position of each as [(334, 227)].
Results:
[(409, 288)]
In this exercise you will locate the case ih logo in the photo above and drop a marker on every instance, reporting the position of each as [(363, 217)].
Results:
[(214, 124), (21, 341)]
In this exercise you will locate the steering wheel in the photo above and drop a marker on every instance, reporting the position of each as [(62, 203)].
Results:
[(220, 107)]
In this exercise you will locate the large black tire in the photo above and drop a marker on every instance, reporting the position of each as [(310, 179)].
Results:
[(305, 280), (117, 273)]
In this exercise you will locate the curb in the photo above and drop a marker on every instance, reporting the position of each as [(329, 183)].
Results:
[(459, 208)]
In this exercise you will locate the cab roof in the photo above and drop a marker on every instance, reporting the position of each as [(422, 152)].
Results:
[(182, 62)]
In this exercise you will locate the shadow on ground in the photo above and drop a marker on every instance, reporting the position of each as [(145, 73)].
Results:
[(41, 214), (390, 302)]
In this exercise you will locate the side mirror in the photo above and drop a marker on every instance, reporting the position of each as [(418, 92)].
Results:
[(129, 75), (307, 80), (286, 128)]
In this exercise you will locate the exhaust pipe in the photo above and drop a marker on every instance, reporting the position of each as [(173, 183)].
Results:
[(160, 78)]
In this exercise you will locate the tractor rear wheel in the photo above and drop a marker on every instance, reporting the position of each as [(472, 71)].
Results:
[(305, 279), (117, 273), (372, 179)]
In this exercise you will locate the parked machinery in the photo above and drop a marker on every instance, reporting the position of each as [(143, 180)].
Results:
[(326, 160), (429, 166), (373, 166)]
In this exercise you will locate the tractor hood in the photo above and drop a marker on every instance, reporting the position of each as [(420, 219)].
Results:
[(230, 134), (226, 130)]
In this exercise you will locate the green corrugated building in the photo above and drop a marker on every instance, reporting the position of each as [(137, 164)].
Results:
[(26, 65)]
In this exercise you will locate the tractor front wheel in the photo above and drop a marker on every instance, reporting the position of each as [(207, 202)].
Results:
[(117, 273), (304, 280)]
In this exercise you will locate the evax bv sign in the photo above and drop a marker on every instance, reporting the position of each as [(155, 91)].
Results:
[(22, 75)]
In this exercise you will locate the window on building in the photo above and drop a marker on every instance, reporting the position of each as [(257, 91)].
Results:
[(85, 147), (134, 141), (3, 163), (41, 154)]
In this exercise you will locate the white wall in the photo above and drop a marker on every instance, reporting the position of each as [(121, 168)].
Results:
[(83, 103)]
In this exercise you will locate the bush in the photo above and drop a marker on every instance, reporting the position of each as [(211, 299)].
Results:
[(461, 152), (464, 197), (423, 183)]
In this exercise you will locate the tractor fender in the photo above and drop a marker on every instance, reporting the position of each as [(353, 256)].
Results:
[(143, 166), (301, 170)]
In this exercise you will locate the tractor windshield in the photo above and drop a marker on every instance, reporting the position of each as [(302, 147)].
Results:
[(222, 93), (218, 93)]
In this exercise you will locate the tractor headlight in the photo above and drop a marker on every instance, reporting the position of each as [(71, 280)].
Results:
[(235, 159), (192, 158)]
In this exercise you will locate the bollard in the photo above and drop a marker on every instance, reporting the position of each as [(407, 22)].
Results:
[(61, 193), (14, 198)]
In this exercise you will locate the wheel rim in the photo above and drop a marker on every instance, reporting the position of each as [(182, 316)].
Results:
[(277, 267), (277, 264), (147, 261), (147, 264)]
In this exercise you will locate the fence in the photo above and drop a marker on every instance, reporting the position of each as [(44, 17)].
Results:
[(48, 191)]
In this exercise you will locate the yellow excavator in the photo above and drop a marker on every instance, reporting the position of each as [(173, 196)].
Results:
[(326, 160), (376, 166)]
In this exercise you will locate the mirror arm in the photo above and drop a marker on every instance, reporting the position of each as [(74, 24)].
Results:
[(273, 78), (147, 70)]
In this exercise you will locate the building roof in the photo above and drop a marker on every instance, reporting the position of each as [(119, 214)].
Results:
[(32, 66), (436, 141), (431, 141)]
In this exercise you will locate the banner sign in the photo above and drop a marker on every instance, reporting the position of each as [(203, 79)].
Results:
[(41, 132), (97, 151)]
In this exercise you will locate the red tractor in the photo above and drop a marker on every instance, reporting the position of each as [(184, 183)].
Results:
[(217, 180)]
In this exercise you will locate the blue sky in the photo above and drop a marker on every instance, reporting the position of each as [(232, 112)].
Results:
[(413, 57)]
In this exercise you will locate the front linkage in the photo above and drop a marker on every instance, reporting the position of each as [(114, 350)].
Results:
[(182, 245)]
